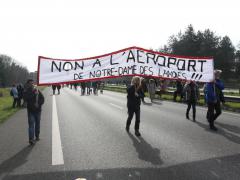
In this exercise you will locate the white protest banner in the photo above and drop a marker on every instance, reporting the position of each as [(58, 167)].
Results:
[(126, 62)]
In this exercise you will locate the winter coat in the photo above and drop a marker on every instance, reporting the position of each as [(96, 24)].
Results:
[(31, 98), (133, 99), (213, 91), (191, 92), (14, 92)]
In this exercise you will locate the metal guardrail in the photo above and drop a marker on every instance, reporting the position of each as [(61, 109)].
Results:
[(228, 98)]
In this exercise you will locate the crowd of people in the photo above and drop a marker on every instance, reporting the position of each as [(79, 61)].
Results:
[(188, 91)]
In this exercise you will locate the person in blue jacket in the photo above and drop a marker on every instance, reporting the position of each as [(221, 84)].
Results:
[(214, 96)]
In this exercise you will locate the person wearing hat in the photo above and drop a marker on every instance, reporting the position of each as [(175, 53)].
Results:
[(214, 96)]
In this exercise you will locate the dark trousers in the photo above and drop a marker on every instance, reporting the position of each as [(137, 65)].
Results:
[(211, 115), (82, 91), (34, 124), (19, 102), (193, 105), (130, 116), (15, 100)]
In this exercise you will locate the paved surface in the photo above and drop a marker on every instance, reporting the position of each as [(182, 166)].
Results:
[(95, 146)]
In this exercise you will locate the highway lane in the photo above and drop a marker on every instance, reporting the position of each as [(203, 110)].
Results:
[(95, 144)]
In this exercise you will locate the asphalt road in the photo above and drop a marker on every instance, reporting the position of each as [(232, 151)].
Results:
[(85, 137)]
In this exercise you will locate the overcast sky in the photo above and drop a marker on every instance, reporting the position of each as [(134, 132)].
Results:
[(84, 28)]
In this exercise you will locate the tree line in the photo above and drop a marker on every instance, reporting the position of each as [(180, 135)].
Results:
[(11, 72), (207, 43)]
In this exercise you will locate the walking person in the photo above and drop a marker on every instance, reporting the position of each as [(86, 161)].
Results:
[(152, 89), (178, 91), (35, 101), (214, 97), (101, 86), (143, 89), (58, 88), (14, 94), (133, 104), (54, 88), (20, 95), (88, 84), (83, 87), (192, 95)]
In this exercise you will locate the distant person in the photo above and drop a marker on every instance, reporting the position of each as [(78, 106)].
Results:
[(54, 88), (178, 91), (95, 87), (88, 84), (20, 90), (192, 95), (214, 97), (143, 89), (83, 88), (152, 89), (58, 88), (133, 104), (14, 94), (75, 86), (101, 86), (163, 87), (35, 101)]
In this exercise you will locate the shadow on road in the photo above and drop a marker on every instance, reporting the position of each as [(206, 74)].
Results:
[(234, 129), (15, 161), (227, 134), (157, 102), (145, 151), (221, 168), (146, 103)]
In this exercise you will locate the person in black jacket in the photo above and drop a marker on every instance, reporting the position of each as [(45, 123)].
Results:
[(133, 103), (192, 95), (54, 88), (35, 100)]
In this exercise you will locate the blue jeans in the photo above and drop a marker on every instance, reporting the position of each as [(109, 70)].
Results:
[(34, 124)]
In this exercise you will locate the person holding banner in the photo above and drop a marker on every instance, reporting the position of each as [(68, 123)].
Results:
[(214, 97), (192, 95), (133, 103)]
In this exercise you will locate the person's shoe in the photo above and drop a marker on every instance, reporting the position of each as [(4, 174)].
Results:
[(187, 116), (213, 128), (137, 133), (194, 120), (37, 139), (127, 128), (31, 142)]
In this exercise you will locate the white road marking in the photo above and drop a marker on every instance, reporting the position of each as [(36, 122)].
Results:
[(57, 154), (116, 106)]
